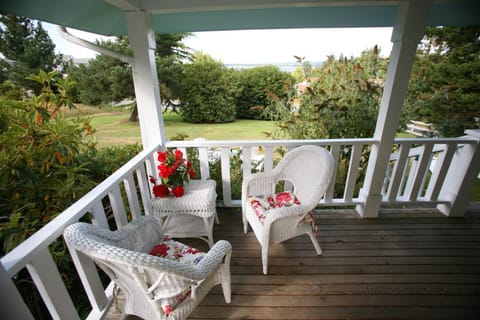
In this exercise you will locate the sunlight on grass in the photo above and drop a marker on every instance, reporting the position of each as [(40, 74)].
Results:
[(114, 128)]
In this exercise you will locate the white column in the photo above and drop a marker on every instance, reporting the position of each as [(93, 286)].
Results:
[(407, 32), (461, 176), (142, 40)]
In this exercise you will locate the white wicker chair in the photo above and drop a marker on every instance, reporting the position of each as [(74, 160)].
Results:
[(149, 281), (309, 170)]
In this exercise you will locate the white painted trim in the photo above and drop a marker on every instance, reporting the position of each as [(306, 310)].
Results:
[(147, 91), (93, 46), (408, 30)]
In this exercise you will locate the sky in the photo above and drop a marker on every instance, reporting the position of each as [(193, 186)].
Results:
[(261, 46)]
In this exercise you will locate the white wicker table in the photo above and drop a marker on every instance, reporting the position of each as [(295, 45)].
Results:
[(192, 215)]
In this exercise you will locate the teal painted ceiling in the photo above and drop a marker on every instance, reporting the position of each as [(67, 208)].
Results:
[(102, 17)]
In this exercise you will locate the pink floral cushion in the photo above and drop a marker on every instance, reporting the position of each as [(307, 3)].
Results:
[(177, 251), (262, 204)]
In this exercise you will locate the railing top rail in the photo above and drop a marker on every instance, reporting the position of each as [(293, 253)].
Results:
[(16, 259), (463, 139), (266, 143)]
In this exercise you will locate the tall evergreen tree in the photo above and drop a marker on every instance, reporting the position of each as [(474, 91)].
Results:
[(106, 79), (445, 85), (27, 49)]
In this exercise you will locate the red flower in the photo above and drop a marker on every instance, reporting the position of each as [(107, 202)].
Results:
[(178, 191), (173, 170), (165, 171), (160, 191), (178, 155), (162, 156), (160, 250)]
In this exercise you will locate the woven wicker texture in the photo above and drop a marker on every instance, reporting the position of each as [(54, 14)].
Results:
[(192, 215), (199, 200), (309, 169), (145, 279)]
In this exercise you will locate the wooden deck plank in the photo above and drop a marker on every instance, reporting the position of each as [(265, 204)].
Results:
[(417, 265)]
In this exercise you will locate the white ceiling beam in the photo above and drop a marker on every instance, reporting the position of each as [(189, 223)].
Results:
[(93, 46)]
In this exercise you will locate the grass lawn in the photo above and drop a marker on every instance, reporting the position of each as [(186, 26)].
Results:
[(113, 128)]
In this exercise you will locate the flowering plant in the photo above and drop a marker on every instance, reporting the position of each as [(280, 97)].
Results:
[(174, 172)]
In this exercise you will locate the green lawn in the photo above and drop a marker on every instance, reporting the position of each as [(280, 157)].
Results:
[(113, 128)]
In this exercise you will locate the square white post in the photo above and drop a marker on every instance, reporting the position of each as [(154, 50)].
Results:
[(142, 40), (407, 32), (461, 176)]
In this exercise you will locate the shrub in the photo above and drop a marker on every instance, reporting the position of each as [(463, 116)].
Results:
[(45, 166), (256, 85), (208, 92)]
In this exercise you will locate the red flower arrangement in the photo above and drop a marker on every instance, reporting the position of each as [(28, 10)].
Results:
[(174, 172)]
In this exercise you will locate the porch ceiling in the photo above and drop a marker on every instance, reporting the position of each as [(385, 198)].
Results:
[(106, 17)]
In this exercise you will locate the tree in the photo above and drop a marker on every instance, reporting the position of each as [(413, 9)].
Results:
[(338, 100), (208, 91), (170, 44), (445, 85), (28, 48), (106, 79), (255, 85)]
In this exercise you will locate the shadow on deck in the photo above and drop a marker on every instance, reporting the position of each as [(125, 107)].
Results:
[(402, 265)]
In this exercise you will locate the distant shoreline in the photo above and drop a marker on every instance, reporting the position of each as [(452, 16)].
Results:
[(284, 66)]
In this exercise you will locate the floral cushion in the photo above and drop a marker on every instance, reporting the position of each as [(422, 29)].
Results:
[(262, 204), (180, 252)]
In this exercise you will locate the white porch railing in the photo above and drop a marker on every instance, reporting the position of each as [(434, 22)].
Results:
[(411, 180)]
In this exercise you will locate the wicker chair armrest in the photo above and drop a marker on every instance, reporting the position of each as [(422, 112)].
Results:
[(285, 212), (142, 260), (258, 183), (190, 272), (219, 252)]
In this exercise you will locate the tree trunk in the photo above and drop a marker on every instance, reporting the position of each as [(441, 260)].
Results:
[(134, 114)]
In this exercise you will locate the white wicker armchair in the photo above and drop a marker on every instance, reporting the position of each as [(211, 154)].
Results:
[(155, 287), (275, 218)]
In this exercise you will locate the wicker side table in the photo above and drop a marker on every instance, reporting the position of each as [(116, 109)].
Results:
[(190, 216)]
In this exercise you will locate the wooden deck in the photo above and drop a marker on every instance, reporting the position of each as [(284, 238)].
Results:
[(399, 266)]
